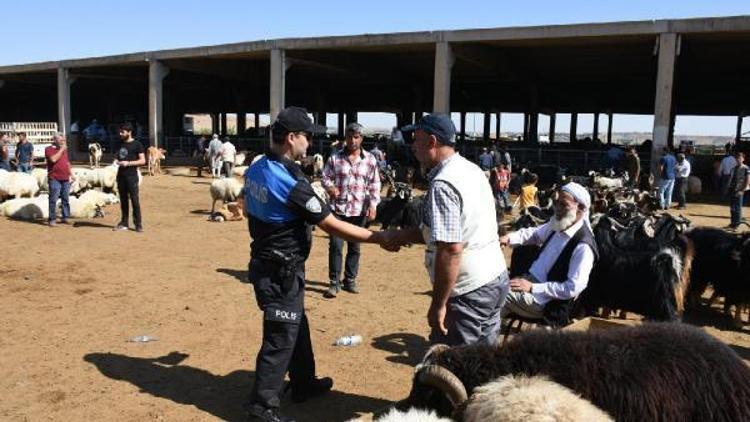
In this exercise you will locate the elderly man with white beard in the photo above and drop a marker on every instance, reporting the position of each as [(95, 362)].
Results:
[(567, 254)]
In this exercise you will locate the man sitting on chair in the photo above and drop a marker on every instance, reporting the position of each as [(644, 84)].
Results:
[(567, 253)]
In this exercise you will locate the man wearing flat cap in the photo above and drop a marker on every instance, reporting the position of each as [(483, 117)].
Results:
[(281, 208), (566, 256), (463, 255)]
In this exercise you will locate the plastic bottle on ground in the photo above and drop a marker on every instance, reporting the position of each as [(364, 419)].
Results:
[(348, 341)]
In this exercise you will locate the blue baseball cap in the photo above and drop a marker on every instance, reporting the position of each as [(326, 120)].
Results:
[(438, 124)]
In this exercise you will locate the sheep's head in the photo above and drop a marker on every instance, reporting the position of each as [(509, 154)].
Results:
[(435, 387)]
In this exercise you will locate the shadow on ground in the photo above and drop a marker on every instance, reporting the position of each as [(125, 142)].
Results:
[(407, 348), (222, 396), (240, 275)]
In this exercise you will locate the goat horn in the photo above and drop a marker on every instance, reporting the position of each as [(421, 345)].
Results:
[(445, 381), (435, 350)]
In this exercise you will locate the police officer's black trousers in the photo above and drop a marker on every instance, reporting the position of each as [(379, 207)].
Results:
[(286, 336)]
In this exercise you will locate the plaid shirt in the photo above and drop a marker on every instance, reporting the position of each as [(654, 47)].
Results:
[(358, 182), (441, 209)]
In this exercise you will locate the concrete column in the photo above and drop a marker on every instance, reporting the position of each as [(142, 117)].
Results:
[(241, 122), (321, 118), (738, 135), (664, 96), (595, 131), (63, 101), (534, 127), (486, 128), (157, 71), (441, 100), (279, 65), (341, 125), (257, 122), (552, 118), (609, 128), (351, 117), (223, 120), (463, 126), (214, 123), (573, 127), (525, 127), (497, 126)]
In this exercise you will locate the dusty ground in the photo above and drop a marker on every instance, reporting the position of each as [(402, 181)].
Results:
[(70, 297)]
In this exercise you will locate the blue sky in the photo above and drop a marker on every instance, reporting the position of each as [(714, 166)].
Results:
[(72, 29)]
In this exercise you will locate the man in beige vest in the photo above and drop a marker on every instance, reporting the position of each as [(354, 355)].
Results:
[(463, 256)]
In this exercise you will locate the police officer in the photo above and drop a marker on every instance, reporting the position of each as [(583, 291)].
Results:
[(281, 207)]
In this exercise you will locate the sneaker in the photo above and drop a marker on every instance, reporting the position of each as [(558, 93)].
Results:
[(315, 388), (333, 290), (52, 223), (351, 286), (270, 415), (139, 229), (120, 228)]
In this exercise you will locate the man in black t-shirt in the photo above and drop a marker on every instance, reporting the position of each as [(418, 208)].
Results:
[(128, 156)]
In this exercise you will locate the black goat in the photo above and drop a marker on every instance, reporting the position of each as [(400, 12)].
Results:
[(656, 372), (723, 260), (402, 210), (638, 273)]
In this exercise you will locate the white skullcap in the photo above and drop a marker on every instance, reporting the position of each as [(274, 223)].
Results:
[(581, 195)]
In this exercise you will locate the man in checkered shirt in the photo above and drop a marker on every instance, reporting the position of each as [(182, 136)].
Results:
[(463, 256), (353, 184)]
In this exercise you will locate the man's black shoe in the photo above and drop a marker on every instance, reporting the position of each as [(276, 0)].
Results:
[(270, 415), (315, 388)]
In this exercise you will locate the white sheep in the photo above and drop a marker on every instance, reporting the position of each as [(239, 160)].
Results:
[(40, 175), (318, 164), (257, 158), (320, 191), (26, 208), (104, 177), (410, 415), (239, 159), (84, 208), (226, 189), (519, 398), (239, 171), (17, 184), (99, 198)]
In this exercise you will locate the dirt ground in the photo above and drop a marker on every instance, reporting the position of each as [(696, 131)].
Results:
[(71, 297)]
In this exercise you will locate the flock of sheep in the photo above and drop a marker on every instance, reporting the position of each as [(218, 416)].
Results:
[(25, 196)]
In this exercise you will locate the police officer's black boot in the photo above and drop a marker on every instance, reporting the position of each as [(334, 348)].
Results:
[(270, 415), (333, 290), (313, 388)]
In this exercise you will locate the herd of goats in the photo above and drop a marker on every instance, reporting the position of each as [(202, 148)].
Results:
[(651, 263)]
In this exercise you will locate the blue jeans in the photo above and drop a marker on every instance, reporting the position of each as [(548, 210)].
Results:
[(501, 197), (735, 209), (59, 189), (25, 167), (335, 248), (666, 186)]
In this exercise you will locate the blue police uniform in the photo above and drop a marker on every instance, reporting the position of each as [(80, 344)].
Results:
[(281, 207)]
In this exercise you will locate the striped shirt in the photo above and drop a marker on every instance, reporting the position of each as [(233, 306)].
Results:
[(358, 182), (441, 209)]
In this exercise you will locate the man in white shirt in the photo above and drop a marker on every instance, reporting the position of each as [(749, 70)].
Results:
[(681, 181), (568, 252), (228, 153), (214, 153), (728, 163)]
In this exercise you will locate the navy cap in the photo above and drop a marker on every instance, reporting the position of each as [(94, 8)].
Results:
[(437, 124), (295, 119)]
